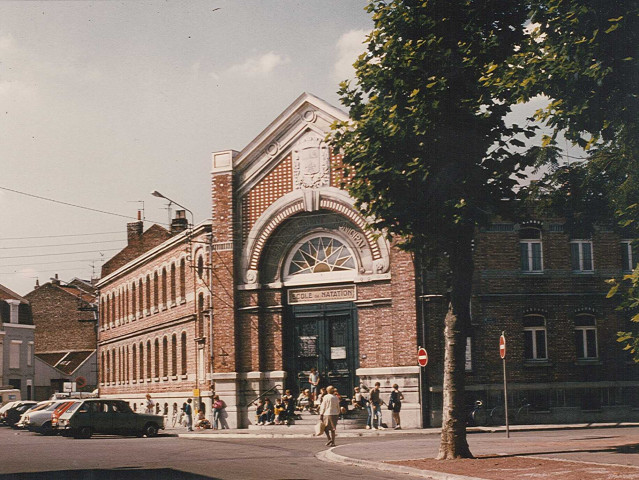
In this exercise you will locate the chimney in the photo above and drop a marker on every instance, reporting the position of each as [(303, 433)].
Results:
[(37, 285), (179, 223), (134, 230), (55, 280)]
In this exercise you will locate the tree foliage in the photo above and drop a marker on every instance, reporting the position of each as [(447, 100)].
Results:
[(427, 151)]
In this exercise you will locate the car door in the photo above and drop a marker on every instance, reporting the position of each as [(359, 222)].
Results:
[(102, 417), (123, 418)]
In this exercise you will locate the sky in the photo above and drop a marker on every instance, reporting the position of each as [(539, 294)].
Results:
[(102, 102)]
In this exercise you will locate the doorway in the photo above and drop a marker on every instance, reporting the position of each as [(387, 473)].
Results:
[(324, 336)]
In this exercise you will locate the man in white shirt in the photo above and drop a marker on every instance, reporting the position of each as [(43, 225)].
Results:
[(329, 413)]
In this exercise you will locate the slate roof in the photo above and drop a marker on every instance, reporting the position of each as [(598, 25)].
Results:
[(6, 294), (67, 362)]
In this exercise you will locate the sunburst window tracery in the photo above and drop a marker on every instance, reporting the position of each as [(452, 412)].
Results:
[(321, 255)]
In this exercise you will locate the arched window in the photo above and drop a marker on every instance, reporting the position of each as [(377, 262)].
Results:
[(535, 347), (148, 359), (200, 266), (107, 376), (113, 302), (113, 367), (586, 337), (106, 316), (182, 280), (183, 369), (200, 315), (156, 291), (531, 250), (157, 358), (173, 284), (118, 377), (101, 317), (141, 297), (174, 355), (320, 255), (165, 357), (127, 370), (134, 362), (103, 369), (134, 304), (164, 291), (148, 295), (141, 350)]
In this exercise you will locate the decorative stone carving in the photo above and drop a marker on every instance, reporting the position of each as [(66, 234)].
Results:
[(251, 276), (380, 266), (309, 116), (311, 162), (272, 149)]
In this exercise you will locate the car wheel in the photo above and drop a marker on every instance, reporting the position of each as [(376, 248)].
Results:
[(46, 429), (83, 432), (151, 430)]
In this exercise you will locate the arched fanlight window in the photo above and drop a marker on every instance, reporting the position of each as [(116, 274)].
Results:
[(321, 254)]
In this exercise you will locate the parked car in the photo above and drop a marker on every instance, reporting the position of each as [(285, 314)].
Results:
[(59, 410), (39, 419), (99, 415), (34, 408), (12, 415), (6, 407)]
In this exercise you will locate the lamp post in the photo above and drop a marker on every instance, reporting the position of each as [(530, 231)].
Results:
[(155, 193)]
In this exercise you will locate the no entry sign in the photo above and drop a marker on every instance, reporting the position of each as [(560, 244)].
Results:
[(502, 346), (422, 357)]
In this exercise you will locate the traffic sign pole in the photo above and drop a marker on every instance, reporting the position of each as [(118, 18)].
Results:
[(502, 353), (422, 361)]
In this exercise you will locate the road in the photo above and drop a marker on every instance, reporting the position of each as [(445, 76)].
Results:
[(33, 456)]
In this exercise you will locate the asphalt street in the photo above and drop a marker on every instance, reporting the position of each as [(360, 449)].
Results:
[(30, 456)]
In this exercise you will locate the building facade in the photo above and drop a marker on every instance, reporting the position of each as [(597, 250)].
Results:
[(152, 335), (16, 343), (287, 277)]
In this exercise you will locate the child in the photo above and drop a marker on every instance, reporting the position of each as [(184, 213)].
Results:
[(359, 402)]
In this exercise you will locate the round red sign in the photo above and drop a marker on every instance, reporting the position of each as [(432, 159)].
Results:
[(422, 357), (502, 346)]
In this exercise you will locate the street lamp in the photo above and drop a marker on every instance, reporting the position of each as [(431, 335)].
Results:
[(155, 193)]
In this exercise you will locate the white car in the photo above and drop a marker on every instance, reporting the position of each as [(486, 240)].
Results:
[(38, 419)]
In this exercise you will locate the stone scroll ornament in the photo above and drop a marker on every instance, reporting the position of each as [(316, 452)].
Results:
[(311, 162)]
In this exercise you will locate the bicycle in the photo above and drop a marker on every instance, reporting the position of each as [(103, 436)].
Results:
[(477, 416)]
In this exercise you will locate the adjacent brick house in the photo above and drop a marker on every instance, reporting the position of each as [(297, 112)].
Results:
[(65, 335), (152, 335), (16, 342)]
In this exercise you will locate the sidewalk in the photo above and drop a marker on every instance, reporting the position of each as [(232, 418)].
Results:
[(569, 452)]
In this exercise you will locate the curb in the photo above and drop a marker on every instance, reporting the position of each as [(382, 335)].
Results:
[(331, 456)]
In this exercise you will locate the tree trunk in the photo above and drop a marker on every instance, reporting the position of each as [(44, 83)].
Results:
[(453, 437)]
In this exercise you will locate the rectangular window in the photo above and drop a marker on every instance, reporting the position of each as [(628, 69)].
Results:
[(531, 256), (586, 337), (535, 338), (29, 354), (14, 354), (627, 257), (581, 256)]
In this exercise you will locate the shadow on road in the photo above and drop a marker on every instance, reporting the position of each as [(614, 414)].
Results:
[(629, 448), (126, 473)]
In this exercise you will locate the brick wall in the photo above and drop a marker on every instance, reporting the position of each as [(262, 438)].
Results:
[(57, 320)]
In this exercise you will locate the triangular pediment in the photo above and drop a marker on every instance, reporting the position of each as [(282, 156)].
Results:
[(306, 119)]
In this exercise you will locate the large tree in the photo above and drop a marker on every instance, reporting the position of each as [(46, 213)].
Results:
[(427, 151)]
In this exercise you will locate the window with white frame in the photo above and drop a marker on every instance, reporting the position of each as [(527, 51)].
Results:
[(531, 250), (535, 337), (586, 337), (628, 261), (14, 353), (581, 256)]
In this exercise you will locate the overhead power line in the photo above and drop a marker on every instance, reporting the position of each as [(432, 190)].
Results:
[(66, 253), (53, 263), (71, 204), (61, 244), (60, 236)]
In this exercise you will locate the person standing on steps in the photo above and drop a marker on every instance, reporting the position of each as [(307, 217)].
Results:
[(314, 379), (395, 404), (188, 411), (329, 414), (375, 409)]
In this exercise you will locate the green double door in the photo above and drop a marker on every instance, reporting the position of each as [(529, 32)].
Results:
[(324, 336)]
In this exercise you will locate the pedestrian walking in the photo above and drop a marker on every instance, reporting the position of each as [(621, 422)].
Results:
[(188, 411), (395, 405), (150, 404), (329, 414)]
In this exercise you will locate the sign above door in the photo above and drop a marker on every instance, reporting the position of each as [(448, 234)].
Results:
[(340, 293)]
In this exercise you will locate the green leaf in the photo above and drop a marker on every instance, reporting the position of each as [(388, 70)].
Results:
[(612, 291)]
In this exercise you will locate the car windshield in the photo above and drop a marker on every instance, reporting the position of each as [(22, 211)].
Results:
[(121, 407), (73, 407), (53, 406), (39, 407), (7, 406)]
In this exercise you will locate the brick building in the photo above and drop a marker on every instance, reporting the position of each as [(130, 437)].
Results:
[(65, 335), (16, 342), (152, 336), (291, 278), (545, 289)]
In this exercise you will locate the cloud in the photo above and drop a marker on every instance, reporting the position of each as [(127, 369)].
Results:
[(259, 66), (349, 46)]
